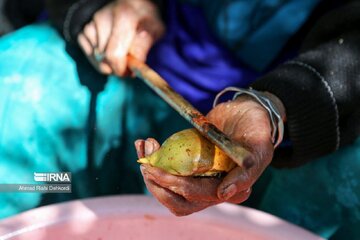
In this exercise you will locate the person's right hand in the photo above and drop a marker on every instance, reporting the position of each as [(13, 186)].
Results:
[(120, 28)]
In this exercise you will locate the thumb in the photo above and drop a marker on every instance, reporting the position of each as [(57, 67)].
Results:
[(148, 32), (237, 180)]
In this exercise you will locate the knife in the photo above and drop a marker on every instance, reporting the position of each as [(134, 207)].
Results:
[(236, 152)]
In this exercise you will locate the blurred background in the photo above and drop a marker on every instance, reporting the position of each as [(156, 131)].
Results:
[(17, 13)]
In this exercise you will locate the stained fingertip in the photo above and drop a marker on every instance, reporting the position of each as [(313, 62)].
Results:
[(139, 146), (240, 197), (228, 192)]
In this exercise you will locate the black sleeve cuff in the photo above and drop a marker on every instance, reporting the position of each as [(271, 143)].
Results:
[(311, 111)]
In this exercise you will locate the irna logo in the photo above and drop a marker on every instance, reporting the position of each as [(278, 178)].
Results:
[(52, 177)]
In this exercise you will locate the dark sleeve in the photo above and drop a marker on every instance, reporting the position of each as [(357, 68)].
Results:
[(21, 12), (320, 89), (70, 16)]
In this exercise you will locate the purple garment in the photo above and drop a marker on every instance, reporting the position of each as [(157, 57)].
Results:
[(193, 61)]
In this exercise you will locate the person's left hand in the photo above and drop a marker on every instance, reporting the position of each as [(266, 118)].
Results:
[(245, 121)]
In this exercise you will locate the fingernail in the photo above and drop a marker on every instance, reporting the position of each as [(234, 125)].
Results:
[(149, 148), (229, 191), (139, 146)]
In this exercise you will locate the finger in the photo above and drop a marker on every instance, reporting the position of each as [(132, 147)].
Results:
[(151, 145), (237, 180), (91, 34), (105, 67), (103, 20), (123, 31), (146, 147), (103, 25), (174, 202), (140, 148), (88, 50), (149, 30), (101, 63), (192, 189), (240, 197), (85, 44)]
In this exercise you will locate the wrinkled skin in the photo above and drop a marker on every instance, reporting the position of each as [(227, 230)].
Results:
[(245, 121), (120, 28)]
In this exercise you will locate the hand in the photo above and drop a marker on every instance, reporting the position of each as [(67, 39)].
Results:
[(181, 195), (120, 28), (245, 121)]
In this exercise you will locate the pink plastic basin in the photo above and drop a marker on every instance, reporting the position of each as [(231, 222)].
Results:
[(140, 218)]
